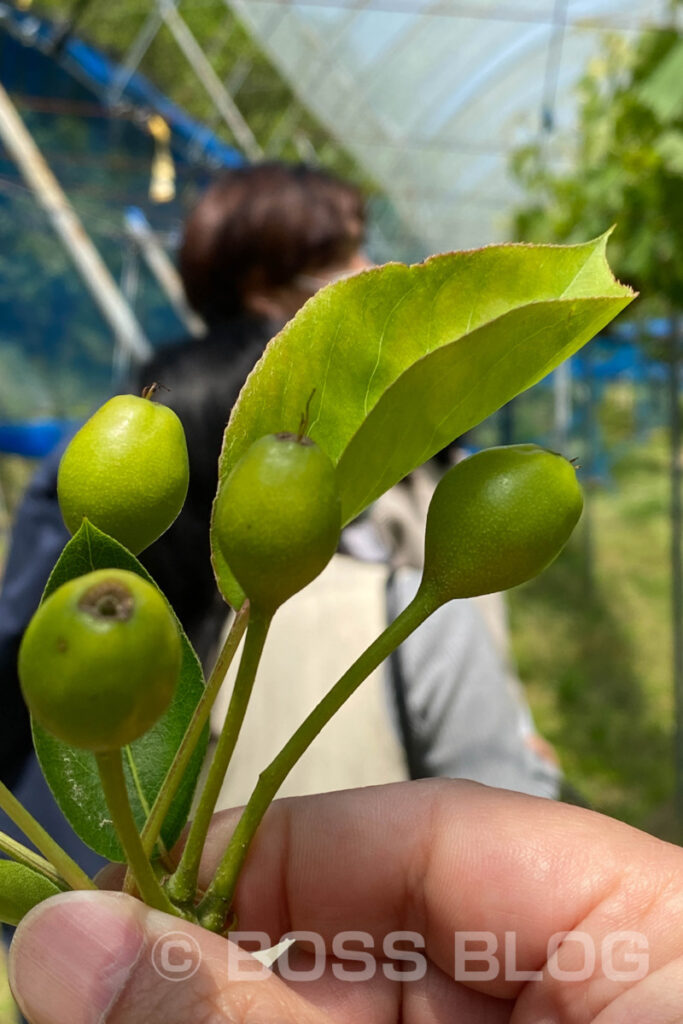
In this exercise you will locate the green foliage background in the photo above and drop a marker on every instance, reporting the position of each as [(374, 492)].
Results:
[(593, 634), (624, 167), (591, 637)]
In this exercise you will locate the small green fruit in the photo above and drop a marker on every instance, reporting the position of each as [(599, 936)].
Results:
[(126, 470), (100, 660), (277, 518), (21, 889), (497, 519)]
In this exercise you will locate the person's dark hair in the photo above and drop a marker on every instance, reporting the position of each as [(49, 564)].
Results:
[(260, 226)]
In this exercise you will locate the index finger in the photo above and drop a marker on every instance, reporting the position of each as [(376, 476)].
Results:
[(442, 857)]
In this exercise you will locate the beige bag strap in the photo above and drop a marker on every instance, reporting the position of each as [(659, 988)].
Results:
[(313, 640)]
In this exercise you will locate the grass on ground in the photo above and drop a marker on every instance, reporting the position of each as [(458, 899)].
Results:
[(592, 638)]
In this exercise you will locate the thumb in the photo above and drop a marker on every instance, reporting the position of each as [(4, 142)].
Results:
[(91, 958)]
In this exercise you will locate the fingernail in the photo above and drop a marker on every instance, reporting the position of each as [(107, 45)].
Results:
[(72, 956)]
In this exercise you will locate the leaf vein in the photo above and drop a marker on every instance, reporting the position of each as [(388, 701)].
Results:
[(323, 387), (90, 554), (578, 273), (380, 346)]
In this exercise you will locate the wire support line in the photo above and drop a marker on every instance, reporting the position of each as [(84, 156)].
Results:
[(71, 108), (97, 197), (135, 54), (34, 217), (206, 75)]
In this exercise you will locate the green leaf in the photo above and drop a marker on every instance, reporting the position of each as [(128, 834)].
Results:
[(72, 774), (405, 359), (21, 889)]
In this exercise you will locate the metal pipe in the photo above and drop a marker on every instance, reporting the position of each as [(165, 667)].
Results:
[(156, 258), (202, 67)]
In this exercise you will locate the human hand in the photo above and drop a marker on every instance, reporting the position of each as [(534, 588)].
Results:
[(434, 858)]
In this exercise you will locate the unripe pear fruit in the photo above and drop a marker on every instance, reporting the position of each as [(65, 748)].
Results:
[(126, 470), (498, 518), (277, 518), (21, 889), (100, 660)]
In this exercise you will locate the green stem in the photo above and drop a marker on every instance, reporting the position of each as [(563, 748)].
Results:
[(218, 897), (22, 855), (153, 825), (182, 886), (110, 766), (52, 851)]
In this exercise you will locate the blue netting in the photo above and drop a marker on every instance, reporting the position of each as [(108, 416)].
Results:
[(56, 351)]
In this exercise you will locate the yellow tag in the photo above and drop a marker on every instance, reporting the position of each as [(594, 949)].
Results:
[(162, 180), (159, 129)]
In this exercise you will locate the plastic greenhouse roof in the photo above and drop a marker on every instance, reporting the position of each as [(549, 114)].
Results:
[(430, 97)]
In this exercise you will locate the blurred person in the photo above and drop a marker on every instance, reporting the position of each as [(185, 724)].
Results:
[(260, 241)]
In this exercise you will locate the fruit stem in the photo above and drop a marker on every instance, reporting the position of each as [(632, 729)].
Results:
[(69, 870), (22, 855), (218, 898), (176, 772), (182, 886), (305, 418), (110, 767)]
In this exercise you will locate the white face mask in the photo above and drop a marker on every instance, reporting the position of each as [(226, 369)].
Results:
[(285, 301), (314, 282)]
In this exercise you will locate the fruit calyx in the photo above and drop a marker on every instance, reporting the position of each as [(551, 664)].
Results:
[(108, 600), (287, 435)]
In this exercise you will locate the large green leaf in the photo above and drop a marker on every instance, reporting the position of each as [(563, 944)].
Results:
[(72, 774), (21, 889), (404, 359)]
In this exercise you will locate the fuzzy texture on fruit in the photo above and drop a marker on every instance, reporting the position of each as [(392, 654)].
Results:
[(126, 470), (498, 518), (277, 518), (100, 660)]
